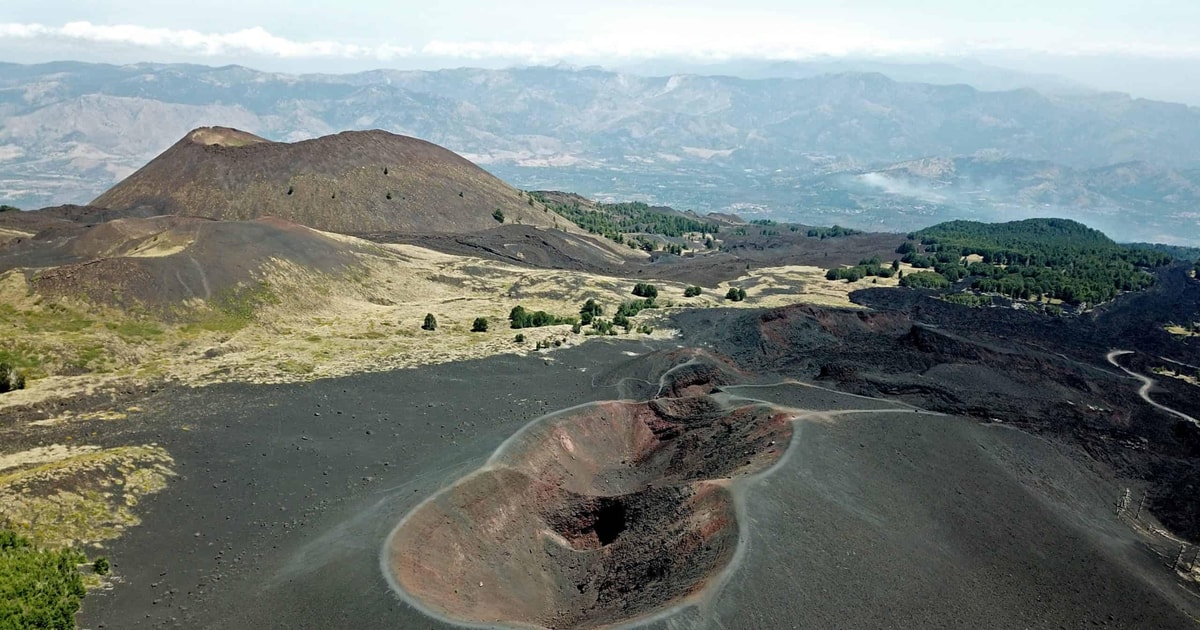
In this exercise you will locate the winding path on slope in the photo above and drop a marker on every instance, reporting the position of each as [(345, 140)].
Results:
[(1147, 384)]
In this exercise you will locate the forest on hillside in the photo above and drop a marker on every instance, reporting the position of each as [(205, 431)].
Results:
[(614, 220), (1034, 259)]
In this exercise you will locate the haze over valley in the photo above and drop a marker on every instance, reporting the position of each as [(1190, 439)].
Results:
[(820, 149)]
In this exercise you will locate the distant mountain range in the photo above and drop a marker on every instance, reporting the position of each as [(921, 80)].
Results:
[(817, 149)]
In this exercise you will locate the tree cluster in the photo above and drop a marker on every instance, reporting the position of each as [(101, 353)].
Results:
[(645, 290), (614, 220), (925, 280), (521, 318), (692, 291), (836, 231), (590, 310), (864, 269), (735, 294)]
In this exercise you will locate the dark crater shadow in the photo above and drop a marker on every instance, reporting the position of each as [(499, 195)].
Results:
[(594, 516)]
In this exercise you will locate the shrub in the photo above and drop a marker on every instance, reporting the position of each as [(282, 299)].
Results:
[(11, 379), (576, 328), (39, 588), (520, 338), (498, 215), (430, 322), (633, 307), (479, 325), (100, 566), (735, 294), (645, 290), (692, 291)]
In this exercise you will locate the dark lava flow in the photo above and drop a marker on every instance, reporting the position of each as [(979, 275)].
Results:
[(594, 516)]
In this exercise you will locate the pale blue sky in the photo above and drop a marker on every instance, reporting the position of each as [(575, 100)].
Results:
[(1082, 36)]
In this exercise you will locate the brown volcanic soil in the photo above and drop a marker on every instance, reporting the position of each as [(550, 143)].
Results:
[(354, 181), (164, 261)]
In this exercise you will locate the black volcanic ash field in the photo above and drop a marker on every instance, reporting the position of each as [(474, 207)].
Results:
[(288, 494)]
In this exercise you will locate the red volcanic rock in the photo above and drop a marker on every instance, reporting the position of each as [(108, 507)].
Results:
[(596, 516)]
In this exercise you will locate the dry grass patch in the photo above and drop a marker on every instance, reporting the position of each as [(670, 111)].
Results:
[(297, 324), (71, 496)]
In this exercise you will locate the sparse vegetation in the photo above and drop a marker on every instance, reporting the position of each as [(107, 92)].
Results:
[(968, 299), (735, 294), (8, 208), (39, 588), (498, 215), (430, 322), (479, 325), (601, 327), (692, 291)]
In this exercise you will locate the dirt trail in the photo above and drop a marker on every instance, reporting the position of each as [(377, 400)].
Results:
[(1147, 385)]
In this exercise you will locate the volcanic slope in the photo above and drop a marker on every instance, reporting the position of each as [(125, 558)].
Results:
[(355, 181), (160, 262)]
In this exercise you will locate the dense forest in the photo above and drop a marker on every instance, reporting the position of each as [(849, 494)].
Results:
[(615, 220), (1032, 259)]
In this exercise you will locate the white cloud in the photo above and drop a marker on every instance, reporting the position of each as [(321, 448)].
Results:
[(732, 36), (255, 41)]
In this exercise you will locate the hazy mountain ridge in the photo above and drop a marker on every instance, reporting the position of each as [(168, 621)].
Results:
[(69, 130)]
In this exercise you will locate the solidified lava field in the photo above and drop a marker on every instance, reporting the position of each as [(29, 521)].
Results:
[(594, 516)]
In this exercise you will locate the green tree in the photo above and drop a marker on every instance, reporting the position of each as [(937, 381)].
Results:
[(430, 322), (498, 215), (590, 310), (101, 566), (479, 325), (692, 291), (735, 294)]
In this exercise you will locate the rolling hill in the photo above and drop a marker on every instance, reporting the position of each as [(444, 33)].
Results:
[(362, 181)]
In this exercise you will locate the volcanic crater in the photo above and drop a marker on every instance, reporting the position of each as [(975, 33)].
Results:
[(595, 516)]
